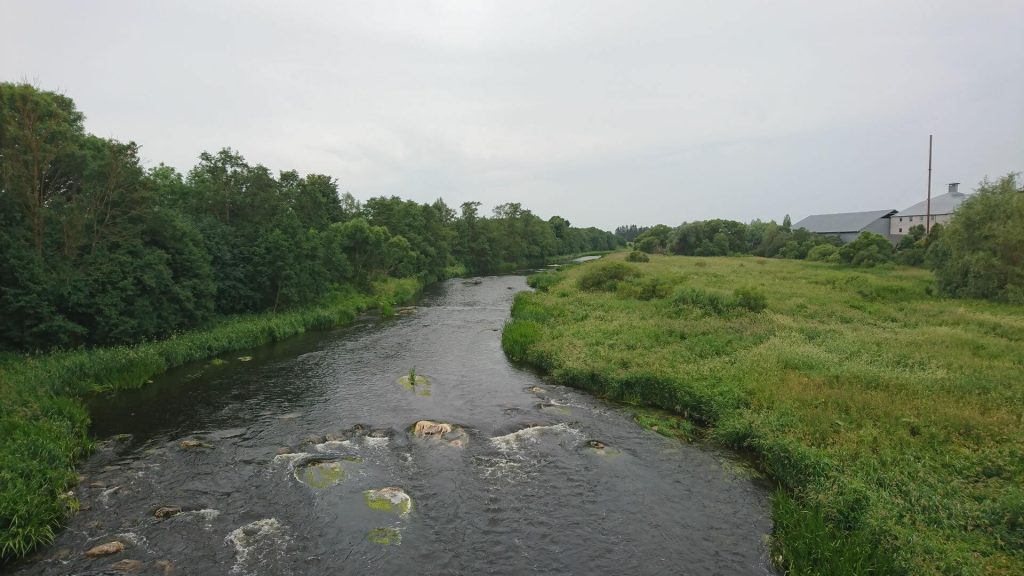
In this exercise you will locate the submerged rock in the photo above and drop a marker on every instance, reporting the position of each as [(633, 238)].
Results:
[(536, 390), (166, 512), (127, 566), (105, 549), (418, 383), (406, 310), (389, 499), (194, 444), (262, 543), (385, 536), (321, 473), (244, 358), (596, 444)]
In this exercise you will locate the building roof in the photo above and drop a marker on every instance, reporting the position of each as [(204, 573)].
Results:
[(844, 222), (943, 204)]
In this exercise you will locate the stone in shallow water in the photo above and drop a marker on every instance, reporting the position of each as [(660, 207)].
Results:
[(166, 512), (244, 358), (385, 536), (389, 499), (127, 566), (321, 473), (105, 549), (193, 444), (420, 385), (262, 544)]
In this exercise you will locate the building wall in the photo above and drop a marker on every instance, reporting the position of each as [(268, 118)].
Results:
[(901, 225)]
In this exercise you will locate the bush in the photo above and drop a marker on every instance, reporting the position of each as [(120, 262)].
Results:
[(823, 253), (713, 302), (606, 276), (644, 288), (979, 254), (869, 249), (637, 256), (544, 280), (751, 298)]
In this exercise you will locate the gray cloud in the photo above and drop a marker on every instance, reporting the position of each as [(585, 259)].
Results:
[(604, 112)]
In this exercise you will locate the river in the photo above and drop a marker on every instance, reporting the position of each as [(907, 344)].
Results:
[(275, 458)]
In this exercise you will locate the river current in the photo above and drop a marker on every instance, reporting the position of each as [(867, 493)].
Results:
[(299, 458)]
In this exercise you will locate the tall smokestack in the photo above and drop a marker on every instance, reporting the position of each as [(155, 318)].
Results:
[(953, 187)]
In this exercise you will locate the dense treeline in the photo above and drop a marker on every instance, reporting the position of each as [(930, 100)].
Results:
[(731, 238), (97, 249)]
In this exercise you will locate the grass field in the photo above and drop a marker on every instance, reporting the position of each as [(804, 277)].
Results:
[(44, 425), (891, 418)]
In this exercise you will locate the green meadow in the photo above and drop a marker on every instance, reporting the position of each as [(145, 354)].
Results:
[(44, 424), (890, 417)]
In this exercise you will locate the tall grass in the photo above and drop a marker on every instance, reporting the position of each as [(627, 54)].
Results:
[(891, 418), (44, 425)]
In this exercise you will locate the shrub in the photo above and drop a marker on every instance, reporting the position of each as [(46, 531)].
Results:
[(644, 288), (751, 298), (544, 280), (606, 277), (822, 253), (637, 256), (869, 249), (714, 302)]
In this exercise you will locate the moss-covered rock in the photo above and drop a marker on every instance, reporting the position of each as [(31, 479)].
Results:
[(389, 499), (385, 536)]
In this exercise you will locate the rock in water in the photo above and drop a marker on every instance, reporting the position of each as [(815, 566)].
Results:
[(390, 499), (192, 444), (105, 549), (166, 511), (127, 566)]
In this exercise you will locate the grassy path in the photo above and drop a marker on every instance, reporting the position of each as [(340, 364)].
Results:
[(892, 418), (43, 424)]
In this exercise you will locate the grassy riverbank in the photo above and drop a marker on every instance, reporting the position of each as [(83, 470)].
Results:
[(891, 417), (44, 424)]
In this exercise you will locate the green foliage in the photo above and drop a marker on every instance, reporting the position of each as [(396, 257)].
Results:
[(543, 281), (807, 542), (823, 253), (869, 249), (605, 276), (638, 256), (644, 288), (710, 301), (891, 418), (96, 250), (980, 254), (751, 298)]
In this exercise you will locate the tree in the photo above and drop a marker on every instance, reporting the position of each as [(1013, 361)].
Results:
[(980, 253)]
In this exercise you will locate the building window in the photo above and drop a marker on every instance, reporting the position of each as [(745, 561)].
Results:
[(901, 219), (901, 230)]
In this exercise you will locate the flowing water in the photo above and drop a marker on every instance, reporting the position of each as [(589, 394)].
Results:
[(277, 464)]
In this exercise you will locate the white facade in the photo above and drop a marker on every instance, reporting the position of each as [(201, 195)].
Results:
[(901, 225)]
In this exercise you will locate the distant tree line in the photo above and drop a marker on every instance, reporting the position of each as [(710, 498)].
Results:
[(96, 249)]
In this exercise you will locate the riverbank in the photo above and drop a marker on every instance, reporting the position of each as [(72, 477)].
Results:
[(44, 424), (890, 417)]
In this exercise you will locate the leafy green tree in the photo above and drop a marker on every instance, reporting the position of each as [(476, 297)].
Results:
[(980, 253)]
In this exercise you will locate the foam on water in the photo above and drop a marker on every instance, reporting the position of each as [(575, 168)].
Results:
[(257, 544)]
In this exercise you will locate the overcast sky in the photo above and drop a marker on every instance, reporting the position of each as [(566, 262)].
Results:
[(606, 113)]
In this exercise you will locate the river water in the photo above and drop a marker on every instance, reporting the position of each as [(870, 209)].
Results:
[(280, 450)]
